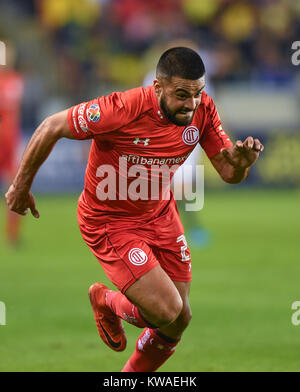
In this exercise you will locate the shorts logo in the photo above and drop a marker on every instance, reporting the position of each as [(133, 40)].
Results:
[(93, 113), (190, 135), (137, 256)]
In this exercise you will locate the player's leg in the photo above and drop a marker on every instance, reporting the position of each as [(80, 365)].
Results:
[(155, 302), (151, 301), (155, 346), (151, 297), (176, 328), (157, 297)]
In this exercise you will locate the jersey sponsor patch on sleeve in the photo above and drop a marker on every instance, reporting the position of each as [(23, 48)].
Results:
[(81, 120), (74, 119), (78, 118)]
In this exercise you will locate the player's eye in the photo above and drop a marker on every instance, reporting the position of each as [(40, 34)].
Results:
[(198, 95)]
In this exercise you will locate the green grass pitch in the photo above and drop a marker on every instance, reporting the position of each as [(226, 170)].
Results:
[(243, 288)]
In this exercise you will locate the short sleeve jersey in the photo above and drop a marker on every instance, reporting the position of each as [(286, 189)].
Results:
[(132, 140)]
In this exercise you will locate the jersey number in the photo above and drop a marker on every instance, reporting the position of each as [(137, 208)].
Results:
[(185, 257)]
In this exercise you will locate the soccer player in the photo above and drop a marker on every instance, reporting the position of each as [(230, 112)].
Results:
[(139, 242), (11, 95)]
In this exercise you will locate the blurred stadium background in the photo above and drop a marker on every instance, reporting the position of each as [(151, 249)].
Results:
[(247, 278)]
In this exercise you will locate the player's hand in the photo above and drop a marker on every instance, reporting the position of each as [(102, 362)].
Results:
[(243, 154), (20, 202)]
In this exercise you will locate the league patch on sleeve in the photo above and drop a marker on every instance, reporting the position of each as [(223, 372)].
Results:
[(93, 113)]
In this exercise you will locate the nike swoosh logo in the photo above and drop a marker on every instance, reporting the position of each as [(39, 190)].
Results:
[(109, 339)]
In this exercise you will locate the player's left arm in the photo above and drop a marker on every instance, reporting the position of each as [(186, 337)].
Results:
[(233, 163)]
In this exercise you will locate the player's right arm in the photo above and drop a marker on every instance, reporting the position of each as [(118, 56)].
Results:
[(80, 122), (18, 197)]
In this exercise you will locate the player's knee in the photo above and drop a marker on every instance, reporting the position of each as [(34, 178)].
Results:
[(185, 318), (170, 311)]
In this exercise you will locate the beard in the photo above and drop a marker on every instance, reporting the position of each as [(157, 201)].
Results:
[(172, 116)]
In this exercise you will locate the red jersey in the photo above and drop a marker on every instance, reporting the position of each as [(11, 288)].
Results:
[(130, 128)]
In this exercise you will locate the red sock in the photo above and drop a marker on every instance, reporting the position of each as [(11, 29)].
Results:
[(151, 351), (125, 309)]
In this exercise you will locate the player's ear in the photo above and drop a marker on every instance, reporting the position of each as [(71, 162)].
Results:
[(157, 87)]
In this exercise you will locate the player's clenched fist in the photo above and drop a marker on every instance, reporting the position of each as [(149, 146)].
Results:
[(243, 154), (19, 202)]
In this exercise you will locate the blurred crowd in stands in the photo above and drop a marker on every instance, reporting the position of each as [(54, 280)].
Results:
[(74, 50)]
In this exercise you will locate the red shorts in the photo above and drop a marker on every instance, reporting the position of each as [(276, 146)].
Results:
[(128, 250)]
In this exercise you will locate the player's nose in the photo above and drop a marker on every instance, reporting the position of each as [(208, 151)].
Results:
[(190, 104)]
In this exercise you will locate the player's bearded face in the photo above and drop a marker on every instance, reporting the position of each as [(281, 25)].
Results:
[(180, 99)]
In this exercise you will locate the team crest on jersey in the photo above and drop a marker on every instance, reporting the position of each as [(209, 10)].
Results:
[(137, 256), (93, 113), (190, 135)]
